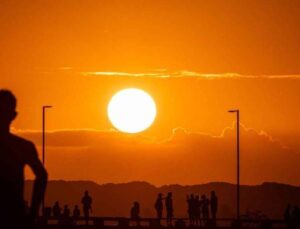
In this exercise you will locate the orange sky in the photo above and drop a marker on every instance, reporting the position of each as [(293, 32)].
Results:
[(196, 58)]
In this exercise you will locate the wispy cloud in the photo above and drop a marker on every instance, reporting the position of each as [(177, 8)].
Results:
[(148, 74), (163, 73)]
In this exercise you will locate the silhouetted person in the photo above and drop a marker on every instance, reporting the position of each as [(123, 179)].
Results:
[(169, 208), (87, 205), (191, 208), (135, 212), (76, 212), (159, 206), (15, 153), (65, 218), (213, 206), (205, 208), (56, 210), (197, 213), (67, 212)]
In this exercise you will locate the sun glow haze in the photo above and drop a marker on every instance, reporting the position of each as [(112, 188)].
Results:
[(131, 110)]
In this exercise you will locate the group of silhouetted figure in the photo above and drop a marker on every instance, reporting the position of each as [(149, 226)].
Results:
[(64, 216), (199, 209), (202, 209), (158, 205)]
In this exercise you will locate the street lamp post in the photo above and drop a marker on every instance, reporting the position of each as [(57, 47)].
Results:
[(43, 142), (238, 162)]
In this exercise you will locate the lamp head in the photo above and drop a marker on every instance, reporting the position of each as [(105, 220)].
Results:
[(47, 106)]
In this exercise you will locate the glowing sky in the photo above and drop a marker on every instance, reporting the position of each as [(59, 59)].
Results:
[(197, 59)]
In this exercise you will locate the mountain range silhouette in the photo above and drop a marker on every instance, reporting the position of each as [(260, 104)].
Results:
[(116, 199)]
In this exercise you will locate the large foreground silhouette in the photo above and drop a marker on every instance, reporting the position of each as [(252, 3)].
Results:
[(15, 153)]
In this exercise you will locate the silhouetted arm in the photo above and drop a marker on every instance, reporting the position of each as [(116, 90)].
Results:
[(40, 182)]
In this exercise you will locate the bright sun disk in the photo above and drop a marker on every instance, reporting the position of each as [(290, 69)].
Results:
[(131, 110)]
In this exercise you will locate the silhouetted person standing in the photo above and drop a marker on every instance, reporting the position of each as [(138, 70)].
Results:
[(197, 211), (191, 211), (56, 210), (135, 212), (87, 205), (213, 206), (76, 213), (15, 153), (159, 206), (169, 208)]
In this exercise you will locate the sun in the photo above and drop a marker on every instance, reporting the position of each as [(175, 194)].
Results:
[(131, 110)]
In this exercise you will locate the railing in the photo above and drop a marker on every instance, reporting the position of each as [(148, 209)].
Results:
[(123, 222)]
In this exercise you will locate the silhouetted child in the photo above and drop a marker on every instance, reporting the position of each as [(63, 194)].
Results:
[(213, 206), (169, 208), (16, 153), (159, 206), (135, 212), (56, 210), (87, 205)]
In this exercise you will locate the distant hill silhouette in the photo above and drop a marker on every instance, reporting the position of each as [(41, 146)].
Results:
[(116, 199)]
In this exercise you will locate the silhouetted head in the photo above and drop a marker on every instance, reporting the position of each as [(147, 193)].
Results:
[(192, 196), (203, 196), (170, 194), (66, 206), (213, 193), (86, 193), (160, 195), (8, 103), (56, 203), (76, 206)]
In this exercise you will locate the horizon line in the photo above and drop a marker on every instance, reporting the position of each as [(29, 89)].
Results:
[(171, 184)]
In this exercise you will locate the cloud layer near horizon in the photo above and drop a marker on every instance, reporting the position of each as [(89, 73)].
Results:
[(164, 73), (185, 157)]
